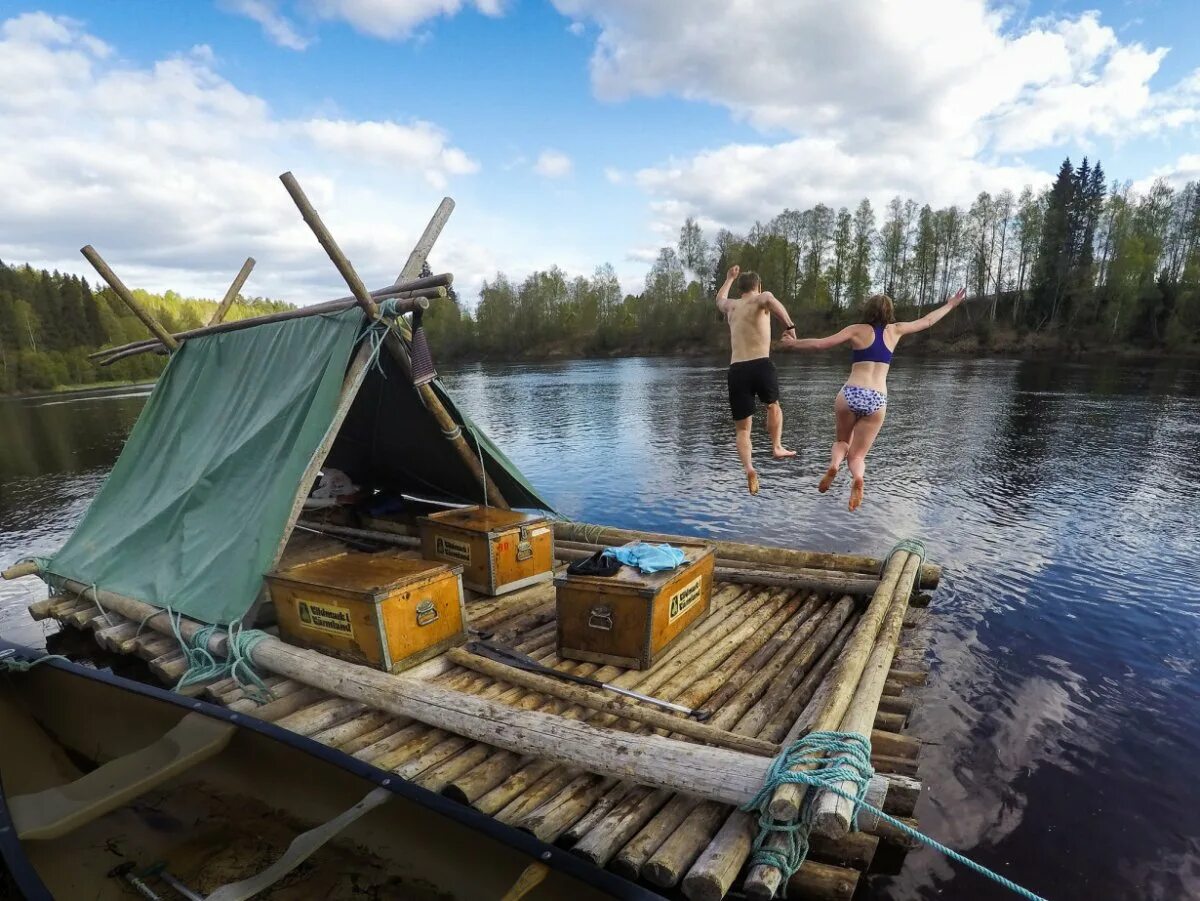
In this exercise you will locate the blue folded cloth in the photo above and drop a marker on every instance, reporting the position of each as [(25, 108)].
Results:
[(649, 558)]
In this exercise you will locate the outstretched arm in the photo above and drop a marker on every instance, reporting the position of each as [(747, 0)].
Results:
[(723, 302), (779, 312), (933, 317), (817, 343)]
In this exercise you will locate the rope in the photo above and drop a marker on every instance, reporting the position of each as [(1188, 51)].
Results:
[(9, 662), (914, 546), (848, 760), (203, 666)]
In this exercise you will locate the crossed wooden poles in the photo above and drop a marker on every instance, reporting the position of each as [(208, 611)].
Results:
[(409, 292)]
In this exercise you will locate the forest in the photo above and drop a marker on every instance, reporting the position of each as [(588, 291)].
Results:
[(50, 322), (1082, 266)]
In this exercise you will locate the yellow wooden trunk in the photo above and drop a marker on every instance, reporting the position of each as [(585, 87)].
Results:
[(499, 550), (630, 619), (383, 610)]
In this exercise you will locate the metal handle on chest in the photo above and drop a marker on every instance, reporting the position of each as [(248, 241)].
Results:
[(426, 613), (600, 618), (524, 546)]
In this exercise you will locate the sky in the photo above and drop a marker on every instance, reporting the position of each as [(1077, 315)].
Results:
[(569, 132)]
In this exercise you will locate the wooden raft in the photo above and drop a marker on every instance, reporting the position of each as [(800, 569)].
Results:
[(762, 660)]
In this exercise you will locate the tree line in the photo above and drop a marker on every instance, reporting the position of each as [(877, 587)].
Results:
[(1082, 263), (50, 322)]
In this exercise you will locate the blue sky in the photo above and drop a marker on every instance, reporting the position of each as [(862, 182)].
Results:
[(574, 132)]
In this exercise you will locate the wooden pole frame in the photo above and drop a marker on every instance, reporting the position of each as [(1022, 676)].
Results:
[(231, 295), (357, 288), (165, 337)]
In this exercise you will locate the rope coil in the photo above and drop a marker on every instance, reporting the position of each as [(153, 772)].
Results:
[(835, 757)]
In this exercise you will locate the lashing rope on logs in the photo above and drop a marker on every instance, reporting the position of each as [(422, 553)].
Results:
[(203, 666), (10, 663), (833, 758)]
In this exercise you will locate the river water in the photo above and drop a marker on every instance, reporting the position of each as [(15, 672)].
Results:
[(1062, 709)]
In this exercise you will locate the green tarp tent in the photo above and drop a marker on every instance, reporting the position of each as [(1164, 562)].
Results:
[(194, 511)]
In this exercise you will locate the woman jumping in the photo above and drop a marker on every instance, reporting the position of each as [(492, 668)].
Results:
[(862, 403)]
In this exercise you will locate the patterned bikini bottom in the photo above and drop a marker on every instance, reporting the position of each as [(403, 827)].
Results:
[(863, 401)]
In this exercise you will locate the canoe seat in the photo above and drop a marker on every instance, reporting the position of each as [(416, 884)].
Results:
[(56, 811)]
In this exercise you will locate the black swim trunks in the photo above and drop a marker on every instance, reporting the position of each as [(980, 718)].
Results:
[(748, 379)]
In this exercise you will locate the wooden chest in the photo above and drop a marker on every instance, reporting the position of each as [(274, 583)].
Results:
[(499, 550), (383, 610), (630, 619)]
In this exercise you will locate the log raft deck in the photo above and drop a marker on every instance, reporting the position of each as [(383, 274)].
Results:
[(793, 639)]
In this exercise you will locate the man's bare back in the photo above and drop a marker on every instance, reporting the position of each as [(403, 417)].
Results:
[(751, 373)]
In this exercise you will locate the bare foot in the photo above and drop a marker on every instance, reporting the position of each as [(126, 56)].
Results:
[(782, 453), (827, 479), (752, 481), (856, 494)]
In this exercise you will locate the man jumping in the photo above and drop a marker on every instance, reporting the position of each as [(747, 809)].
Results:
[(751, 372)]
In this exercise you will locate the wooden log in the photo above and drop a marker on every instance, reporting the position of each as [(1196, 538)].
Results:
[(580, 790), (66, 605), (365, 722), (20, 570), (886, 832), (892, 689), (889, 722), (406, 301), (891, 744), (319, 716), (902, 795), (326, 240), (732, 550), (420, 252), (110, 638), (629, 860), (616, 705), (822, 881), (688, 842), (826, 581), (232, 293), (829, 706), (82, 619), (169, 667), (118, 286), (598, 813), (107, 620), (151, 645), (40, 610), (833, 815), (855, 850), (476, 786), (717, 773), (903, 766), (896, 704), (281, 706), (908, 677), (628, 816)]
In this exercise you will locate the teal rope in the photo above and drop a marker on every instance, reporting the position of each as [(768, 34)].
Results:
[(849, 760), (914, 546), (203, 666), (10, 663)]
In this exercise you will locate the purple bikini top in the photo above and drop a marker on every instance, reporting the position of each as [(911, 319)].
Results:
[(877, 353)]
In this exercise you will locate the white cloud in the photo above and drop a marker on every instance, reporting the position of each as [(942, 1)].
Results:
[(614, 175), (171, 171), (577, 28), (276, 26), (935, 99), (387, 19), (553, 164), (420, 146), (1177, 174)]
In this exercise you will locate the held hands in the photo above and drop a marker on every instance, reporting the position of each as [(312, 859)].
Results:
[(957, 297)]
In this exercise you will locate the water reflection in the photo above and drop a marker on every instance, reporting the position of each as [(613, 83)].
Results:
[(1062, 498)]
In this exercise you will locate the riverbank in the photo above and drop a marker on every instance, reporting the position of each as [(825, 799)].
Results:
[(81, 390)]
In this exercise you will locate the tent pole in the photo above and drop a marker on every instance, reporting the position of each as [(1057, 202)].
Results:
[(357, 288), (415, 296), (231, 295), (126, 295), (412, 268)]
